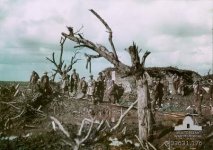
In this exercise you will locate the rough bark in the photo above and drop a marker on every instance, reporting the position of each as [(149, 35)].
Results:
[(144, 110)]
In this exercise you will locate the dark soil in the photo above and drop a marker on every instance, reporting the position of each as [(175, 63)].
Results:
[(33, 130)]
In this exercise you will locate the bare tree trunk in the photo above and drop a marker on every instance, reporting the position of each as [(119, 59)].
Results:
[(144, 110)]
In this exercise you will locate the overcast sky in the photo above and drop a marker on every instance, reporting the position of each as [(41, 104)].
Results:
[(177, 32)]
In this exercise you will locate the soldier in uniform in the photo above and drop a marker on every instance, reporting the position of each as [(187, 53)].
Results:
[(100, 87), (176, 82), (120, 91), (158, 92), (83, 86), (181, 86), (45, 84), (91, 89), (65, 82), (33, 80), (74, 81), (198, 96), (210, 93), (112, 91)]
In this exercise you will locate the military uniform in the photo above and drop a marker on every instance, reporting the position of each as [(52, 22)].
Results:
[(74, 81), (91, 88), (34, 80), (45, 84), (181, 86), (158, 94), (198, 96), (65, 82), (100, 87), (83, 86), (112, 91)]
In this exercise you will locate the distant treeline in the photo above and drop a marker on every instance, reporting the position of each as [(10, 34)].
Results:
[(23, 83)]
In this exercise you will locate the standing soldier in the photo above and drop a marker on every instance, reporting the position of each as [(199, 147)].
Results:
[(100, 87), (170, 79), (33, 80), (112, 91), (91, 89), (158, 94), (181, 86), (120, 91), (176, 82), (65, 82), (83, 86), (198, 96), (210, 93), (74, 81), (45, 84)]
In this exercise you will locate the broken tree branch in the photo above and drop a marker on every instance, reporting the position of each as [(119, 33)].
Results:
[(109, 31), (144, 58), (152, 146), (103, 51), (19, 115), (8, 103), (62, 50), (140, 142), (133, 52), (80, 141), (60, 126), (73, 61), (83, 122), (123, 115)]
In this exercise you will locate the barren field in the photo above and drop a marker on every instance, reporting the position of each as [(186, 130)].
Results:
[(26, 123)]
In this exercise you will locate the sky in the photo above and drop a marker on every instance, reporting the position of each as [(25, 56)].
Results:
[(178, 33)]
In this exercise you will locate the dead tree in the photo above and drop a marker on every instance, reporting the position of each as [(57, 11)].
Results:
[(60, 66), (137, 70)]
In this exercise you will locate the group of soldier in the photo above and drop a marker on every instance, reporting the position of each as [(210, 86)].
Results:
[(43, 85), (199, 92), (74, 86), (94, 90), (164, 87), (177, 86), (104, 88)]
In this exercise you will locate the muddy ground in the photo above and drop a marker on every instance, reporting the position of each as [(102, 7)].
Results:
[(26, 125)]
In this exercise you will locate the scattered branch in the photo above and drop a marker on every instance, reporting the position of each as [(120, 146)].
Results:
[(19, 115), (8, 103), (81, 141), (140, 142), (60, 126), (122, 116), (152, 146)]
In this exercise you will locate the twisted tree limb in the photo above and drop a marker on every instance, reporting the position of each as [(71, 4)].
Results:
[(101, 50), (59, 66), (109, 31)]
